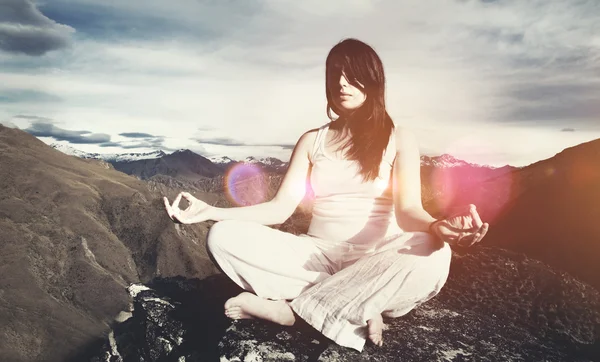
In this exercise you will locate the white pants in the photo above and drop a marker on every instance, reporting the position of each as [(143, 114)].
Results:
[(334, 286)]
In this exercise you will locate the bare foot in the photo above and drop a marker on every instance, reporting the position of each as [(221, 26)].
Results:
[(375, 330), (248, 306)]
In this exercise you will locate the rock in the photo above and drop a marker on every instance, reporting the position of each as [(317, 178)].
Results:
[(496, 305)]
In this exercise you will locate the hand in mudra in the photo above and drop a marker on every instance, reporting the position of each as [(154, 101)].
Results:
[(462, 229), (196, 211)]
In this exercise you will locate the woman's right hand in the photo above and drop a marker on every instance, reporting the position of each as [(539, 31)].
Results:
[(197, 211)]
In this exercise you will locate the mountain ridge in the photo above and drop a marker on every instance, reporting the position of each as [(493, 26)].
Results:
[(443, 160), (74, 232)]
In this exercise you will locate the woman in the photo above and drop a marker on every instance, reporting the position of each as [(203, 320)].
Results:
[(371, 248)]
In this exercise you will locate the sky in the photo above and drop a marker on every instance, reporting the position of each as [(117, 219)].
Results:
[(489, 82)]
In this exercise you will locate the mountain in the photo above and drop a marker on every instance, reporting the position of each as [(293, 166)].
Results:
[(448, 183), (446, 160), (535, 209), (73, 234), (74, 152), (130, 157), (221, 160), (551, 211), (271, 164), (182, 164), (548, 210), (113, 157), (495, 306), (146, 165)]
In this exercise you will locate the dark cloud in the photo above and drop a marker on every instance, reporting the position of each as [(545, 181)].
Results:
[(222, 141), (33, 118), (568, 130), (138, 19), (24, 29), (110, 144), (128, 146), (551, 104), (101, 20), (136, 135), (42, 129), (154, 142), (23, 12), (551, 93), (27, 95)]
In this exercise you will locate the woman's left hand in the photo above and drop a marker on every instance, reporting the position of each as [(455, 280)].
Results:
[(463, 229)]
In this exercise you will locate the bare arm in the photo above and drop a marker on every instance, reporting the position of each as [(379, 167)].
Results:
[(289, 195), (410, 214)]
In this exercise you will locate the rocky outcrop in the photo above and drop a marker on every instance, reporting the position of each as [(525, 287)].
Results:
[(496, 306), (73, 236)]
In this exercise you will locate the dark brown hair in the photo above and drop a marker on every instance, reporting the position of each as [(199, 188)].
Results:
[(370, 125)]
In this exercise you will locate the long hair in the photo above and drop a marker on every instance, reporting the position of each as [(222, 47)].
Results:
[(370, 125)]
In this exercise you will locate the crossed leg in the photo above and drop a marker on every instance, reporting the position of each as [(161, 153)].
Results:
[(276, 266), (247, 305), (345, 305), (348, 306)]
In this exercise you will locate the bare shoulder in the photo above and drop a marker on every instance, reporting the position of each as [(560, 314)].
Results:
[(309, 135), (304, 145), (307, 140)]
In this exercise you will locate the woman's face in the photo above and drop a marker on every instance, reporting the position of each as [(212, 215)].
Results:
[(345, 95)]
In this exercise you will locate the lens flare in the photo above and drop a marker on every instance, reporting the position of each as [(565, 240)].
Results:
[(245, 184), (549, 171), (490, 189)]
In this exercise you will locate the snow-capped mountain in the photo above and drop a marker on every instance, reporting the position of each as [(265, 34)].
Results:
[(220, 160), (271, 163), (447, 161), (129, 157), (267, 161), (75, 152), (110, 157)]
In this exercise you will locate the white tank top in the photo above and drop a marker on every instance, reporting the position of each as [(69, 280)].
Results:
[(346, 208)]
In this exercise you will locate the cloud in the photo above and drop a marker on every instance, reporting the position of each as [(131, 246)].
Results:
[(142, 140), (27, 95), (181, 71), (222, 141), (136, 135), (153, 144), (205, 21), (24, 29), (551, 101), (111, 144), (33, 118), (568, 130), (128, 146), (41, 129)]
